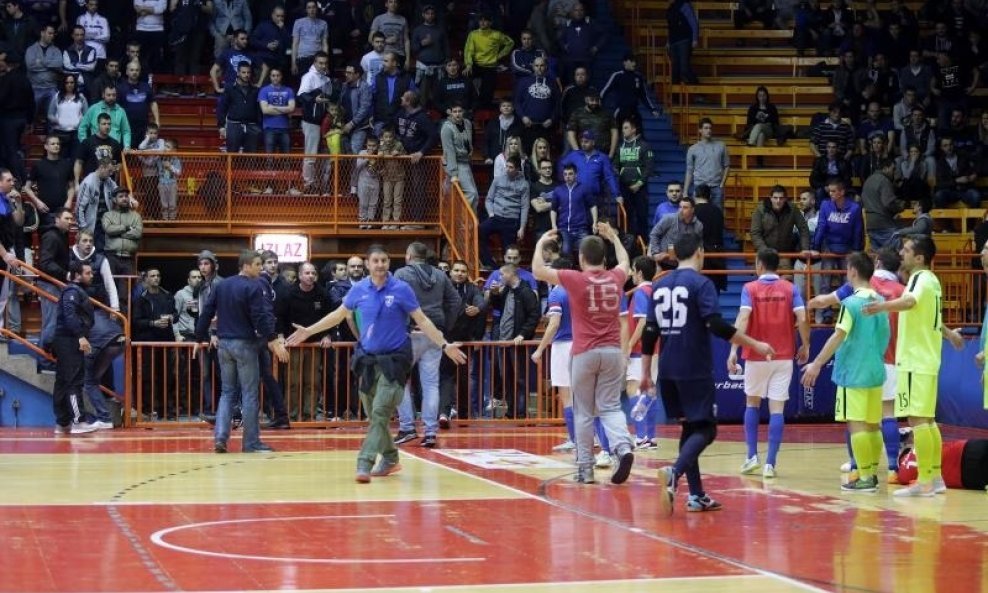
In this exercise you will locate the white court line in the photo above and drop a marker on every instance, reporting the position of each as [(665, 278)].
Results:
[(637, 531), (158, 538)]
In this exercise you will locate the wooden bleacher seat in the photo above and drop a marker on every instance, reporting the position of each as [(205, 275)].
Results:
[(720, 65), (784, 96)]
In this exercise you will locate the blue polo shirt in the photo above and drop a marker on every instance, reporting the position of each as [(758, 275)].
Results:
[(381, 314)]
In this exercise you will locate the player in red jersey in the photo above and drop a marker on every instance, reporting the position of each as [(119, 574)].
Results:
[(597, 366)]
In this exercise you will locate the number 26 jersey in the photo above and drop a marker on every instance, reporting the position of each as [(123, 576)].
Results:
[(682, 302)]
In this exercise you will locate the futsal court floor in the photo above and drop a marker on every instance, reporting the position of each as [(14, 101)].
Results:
[(493, 510)]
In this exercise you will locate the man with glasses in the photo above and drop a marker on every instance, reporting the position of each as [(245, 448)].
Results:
[(536, 99)]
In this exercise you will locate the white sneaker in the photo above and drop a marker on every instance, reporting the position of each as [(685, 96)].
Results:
[(939, 486), (750, 466), (101, 425), (82, 428), (62, 430), (603, 459), (916, 490), (564, 447), (845, 467), (294, 192), (268, 190), (768, 471)]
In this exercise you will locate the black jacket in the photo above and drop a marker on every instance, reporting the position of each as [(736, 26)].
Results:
[(16, 95), (75, 313), (148, 309), (385, 110), (527, 312), (466, 328), (54, 259), (239, 105), (304, 308), (495, 136)]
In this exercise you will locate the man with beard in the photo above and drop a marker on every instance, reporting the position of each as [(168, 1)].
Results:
[(124, 228)]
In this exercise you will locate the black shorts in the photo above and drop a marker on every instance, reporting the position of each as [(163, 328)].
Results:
[(692, 400)]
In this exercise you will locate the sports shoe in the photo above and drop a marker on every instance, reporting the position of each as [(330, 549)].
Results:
[(260, 448), (869, 484), (750, 466), (363, 475), (429, 441), (564, 447), (853, 475), (645, 444), (768, 471), (103, 425), (667, 481), (602, 460), (625, 461), (82, 428), (916, 490), (294, 192), (444, 421), (699, 504), (62, 430), (385, 468), (219, 447), (584, 475), (893, 477), (939, 486), (405, 436), (846, 467)]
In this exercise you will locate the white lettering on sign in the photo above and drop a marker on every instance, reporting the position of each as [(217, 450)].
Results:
[(289, 247)]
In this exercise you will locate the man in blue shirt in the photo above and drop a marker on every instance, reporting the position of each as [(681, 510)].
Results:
[(277, 103), (245, 316), (381, 306)]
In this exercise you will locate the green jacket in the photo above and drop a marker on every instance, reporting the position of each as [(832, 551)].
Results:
[(119, 125)]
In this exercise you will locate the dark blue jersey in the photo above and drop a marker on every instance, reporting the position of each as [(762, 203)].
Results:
[(682, 303)]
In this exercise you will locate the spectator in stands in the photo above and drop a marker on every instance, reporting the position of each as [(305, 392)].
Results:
[(49, 183), (508, 201), (109, 78), (389, 88), (366, 184), (574, 210), (65, 112), (356, 102), (269, 42), (452, 88), (918, 76), (953, 84), (674, 192), (310, 35), (860, 42), (574, 95), (866, 164), (169, 168), (543, 29), (536, 100), (885, 80), (208, 266), (187, 32), (914, 174), (430, 45), (922, 221), (147, 184), (304, 304), (918, 132), (184, 328), (955, 178), (940, 41), (980, 150), (631, 90), (523, 56), (79, 59), (833, 129), (541, 193), (599, 123), (396, 34), (665, 234), (579, 42), (707, 163), (418, 134), (836, 22), (44, 67), (239, 114), (520, 315), (468, 326), (227, 19), (124, 229), (762, 120), (896, 46), (138, 102), (880, 204), (499, 129), (393, 171), (277, 104), (903, 110), (456, 135), (965, 137), (806, 23), (315, 92), (807, 207), (19, 30), (94, 198), (95, 148), (749, 11), (900, 14), (778, 224), (540, 152), (512, 147), (224, 70), (153, 316), (842, 80), (712, 219), (149, 30), (482, 55), (594, 169), (119, 123), (684, 35), (839, 229), (54, 260), (373, 61), (634, 164), (103, 288)]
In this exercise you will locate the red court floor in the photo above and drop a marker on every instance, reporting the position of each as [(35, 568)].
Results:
[(492, 509)]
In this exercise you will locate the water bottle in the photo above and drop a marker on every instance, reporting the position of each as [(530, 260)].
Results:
[(641, 408)]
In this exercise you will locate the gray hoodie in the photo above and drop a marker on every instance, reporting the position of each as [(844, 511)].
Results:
[(434, 290), (457, 144)]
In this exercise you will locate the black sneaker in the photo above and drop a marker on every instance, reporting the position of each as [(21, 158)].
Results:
[(260, 448), (620, 475), (282, 424), (405, 436), (444, 421), (219, 447), (429, 442)]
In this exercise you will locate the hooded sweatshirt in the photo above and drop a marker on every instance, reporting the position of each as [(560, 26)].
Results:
[(457, 141), (434, 290), (839, 230)]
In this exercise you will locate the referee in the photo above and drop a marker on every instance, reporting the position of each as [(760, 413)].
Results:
[(245, 318)]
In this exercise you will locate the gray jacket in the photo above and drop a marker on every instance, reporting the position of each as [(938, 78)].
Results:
[(879, 202), (434, 290), (669, 229), (44, 66), (87, 200), (457, 144), (510, 198)]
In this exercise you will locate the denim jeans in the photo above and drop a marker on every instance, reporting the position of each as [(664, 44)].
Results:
[(681, 54), (97, 363), (49, 312), (505, 228), (277, 140), (240, 371), (571, 240), (358, 139), (427, 355), (945, 197)]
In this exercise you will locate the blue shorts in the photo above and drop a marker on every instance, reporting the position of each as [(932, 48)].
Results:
[(692, 399)]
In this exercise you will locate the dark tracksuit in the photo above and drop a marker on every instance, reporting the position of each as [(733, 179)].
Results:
[(75, 319), (274, 398)]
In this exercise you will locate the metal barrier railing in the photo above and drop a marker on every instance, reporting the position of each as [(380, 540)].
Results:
[(459, 223)]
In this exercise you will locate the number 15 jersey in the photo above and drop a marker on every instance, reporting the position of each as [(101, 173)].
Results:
[(682, 302)]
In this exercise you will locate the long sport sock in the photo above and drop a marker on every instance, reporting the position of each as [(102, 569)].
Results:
[(876, 450), (568, 419), (751, 430), (850, 450), (937, 452), (641, 426), (923, 441), (598, 427), (689, 461), (890, 434), (861, 445), (776, 423)]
